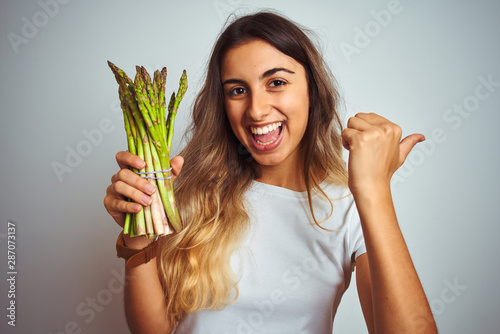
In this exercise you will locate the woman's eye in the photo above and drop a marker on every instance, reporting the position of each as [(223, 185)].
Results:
[(276, 83), (237, 91)]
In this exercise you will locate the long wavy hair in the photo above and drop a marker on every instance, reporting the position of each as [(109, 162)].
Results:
[(194, 263)]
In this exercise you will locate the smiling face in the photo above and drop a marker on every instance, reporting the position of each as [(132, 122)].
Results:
[(267, 102)]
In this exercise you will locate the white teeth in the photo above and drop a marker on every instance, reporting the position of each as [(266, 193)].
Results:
[(266, 129), (268, 143)]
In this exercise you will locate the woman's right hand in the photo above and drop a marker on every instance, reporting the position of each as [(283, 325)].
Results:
[(126, 184)]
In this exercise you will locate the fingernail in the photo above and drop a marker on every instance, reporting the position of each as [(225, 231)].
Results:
[(147, 199), (140, 163), (150, 188), (137, 207), (421, 139)]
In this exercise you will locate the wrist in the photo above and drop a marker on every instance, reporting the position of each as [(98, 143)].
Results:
[(136, 256), (136, 242), (375, 205), (370, 189)]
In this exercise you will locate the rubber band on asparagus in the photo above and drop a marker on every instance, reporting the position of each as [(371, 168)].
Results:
[(154, 172)]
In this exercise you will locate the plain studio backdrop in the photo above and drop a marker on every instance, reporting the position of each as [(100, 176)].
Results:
[(430, 66)]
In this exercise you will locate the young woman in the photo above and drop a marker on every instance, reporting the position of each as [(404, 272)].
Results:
[(273, 223)]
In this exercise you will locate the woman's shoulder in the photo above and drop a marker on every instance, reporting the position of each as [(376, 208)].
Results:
[(336, 191), (339, 202)]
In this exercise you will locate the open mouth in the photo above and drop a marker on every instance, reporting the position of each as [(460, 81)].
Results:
[(265, 136)]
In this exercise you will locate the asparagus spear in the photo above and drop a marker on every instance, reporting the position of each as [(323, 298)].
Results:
[(171, 115)]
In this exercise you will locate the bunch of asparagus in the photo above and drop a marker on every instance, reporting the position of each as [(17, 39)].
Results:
[(149, 135)]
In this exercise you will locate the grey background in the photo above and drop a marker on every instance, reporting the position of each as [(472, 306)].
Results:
[(56, 86)]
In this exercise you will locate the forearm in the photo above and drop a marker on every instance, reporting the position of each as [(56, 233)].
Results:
[(144, 301), (399, 301)]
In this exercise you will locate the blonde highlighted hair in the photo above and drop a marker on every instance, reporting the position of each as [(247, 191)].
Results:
[(194, 263)]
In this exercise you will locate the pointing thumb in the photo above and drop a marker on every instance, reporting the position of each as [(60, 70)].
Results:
[(407, 144)]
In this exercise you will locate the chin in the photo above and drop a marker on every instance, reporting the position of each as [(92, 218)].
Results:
[(269, 159)]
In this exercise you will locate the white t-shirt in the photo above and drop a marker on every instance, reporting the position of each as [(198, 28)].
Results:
[(292, 273)]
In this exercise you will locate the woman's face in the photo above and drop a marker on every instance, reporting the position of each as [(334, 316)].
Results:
[(266, 101)]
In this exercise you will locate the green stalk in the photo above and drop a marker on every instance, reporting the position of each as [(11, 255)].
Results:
[(168, 184), (159, 97), (143, 83), (139, 217), (170, 107), (156, 224), (166, 190), (141, 226), (162, 82), (144, 152), (146, 111), (120, 75), (132, 149), (131, 131), (157, 200), (171, 115)]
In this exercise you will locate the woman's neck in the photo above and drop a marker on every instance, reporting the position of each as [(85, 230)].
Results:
[(288, 174)]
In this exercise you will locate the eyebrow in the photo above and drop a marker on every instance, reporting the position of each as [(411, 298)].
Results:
[(264, 75), (270, 72)]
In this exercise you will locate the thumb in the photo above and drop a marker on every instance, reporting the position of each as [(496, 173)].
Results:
[(407, 144)]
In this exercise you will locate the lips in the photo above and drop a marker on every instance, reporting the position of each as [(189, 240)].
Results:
[(266, 137)]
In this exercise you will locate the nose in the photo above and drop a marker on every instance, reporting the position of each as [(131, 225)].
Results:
[(259, 106)]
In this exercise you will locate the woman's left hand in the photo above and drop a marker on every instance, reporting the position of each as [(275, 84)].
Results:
[(376, 150)]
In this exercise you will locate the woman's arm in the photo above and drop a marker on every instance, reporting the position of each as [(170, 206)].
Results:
[(387, 274), (390, 291), (363, 284), (144, 301)]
